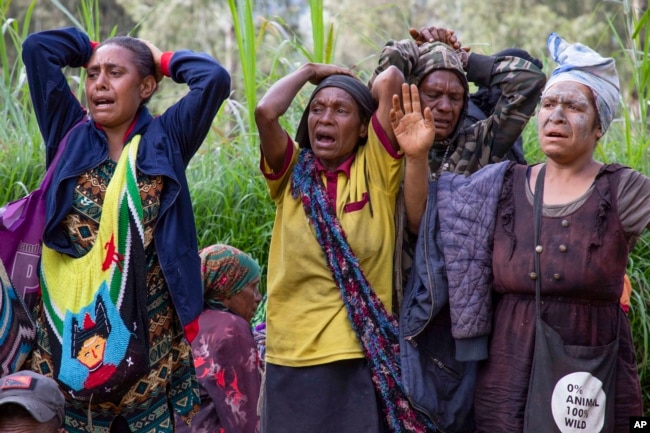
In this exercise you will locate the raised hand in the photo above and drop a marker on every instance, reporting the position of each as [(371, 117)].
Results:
[(413, 128)]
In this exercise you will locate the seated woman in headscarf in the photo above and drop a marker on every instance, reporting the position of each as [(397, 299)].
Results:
[(590, 215), (225, 352)]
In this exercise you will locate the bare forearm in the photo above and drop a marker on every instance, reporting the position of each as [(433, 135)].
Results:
[(279, 97), (271, 107), (416, 187)]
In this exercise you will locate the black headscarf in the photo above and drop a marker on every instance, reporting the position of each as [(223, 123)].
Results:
[(359, 92)]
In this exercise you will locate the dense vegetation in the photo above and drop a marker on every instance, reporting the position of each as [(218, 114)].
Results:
[(229, 194)]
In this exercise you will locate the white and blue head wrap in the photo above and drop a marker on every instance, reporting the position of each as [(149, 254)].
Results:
[(577, 62)]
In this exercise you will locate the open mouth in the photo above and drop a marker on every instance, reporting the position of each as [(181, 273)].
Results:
[(103, 102), (555, 134), (324, 138)]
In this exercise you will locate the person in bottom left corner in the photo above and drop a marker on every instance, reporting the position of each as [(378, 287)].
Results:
[(225, 351), (30, 402)]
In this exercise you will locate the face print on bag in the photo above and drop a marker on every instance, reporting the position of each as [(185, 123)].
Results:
[(98, 342), (89, 343)]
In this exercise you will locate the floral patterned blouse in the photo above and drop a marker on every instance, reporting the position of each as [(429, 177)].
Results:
[(228, 370)]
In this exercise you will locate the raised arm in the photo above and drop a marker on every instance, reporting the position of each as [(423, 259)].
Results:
[(415, 131), (45, 54), (387, 85), (189, 119), (521, 84), (277, 100)]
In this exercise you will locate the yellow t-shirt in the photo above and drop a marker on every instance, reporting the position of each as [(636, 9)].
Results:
[(307, 322)]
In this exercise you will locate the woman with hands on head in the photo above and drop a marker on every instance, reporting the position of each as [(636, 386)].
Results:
[(331, 343), (120, 269), (436, 62)]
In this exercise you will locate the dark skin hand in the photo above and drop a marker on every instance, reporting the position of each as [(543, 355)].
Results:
[(435, 34), (439, 34), (157, 56)]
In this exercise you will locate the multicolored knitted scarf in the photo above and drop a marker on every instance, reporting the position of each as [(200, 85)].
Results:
[(374, 326)]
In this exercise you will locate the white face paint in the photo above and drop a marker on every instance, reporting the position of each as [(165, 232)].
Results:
[(567, 122)]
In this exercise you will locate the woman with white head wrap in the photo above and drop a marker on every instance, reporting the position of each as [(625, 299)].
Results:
[(581, 64), (590, 216), (592, 213)]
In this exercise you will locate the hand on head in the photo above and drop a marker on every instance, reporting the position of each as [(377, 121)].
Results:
[(437, 34), (157, 56), (320, 71)]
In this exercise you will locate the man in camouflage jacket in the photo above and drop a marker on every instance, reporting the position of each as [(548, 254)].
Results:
[(468, 148), (458, 147)]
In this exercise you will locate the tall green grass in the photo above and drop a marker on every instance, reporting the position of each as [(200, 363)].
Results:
[(242, 14), (19, 135), (632, 143), (231, 203)]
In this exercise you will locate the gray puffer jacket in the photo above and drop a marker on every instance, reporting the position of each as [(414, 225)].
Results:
[(467, 209), (445, 314)]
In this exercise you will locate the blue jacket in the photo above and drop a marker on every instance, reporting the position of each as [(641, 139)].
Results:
[(440, 341), (168, 143)]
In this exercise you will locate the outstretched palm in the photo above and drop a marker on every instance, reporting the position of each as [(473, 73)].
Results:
[(414, 130)]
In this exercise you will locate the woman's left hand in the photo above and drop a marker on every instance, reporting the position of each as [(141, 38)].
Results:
[(414, 129), (157, 56)]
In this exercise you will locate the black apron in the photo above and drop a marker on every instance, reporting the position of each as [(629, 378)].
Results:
[(572, 388)]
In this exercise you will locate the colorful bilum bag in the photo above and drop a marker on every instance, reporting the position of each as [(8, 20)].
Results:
[(95, 305), (17, 329), (21, 232)]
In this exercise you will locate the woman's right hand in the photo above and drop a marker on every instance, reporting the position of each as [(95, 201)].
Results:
[(319, 71)]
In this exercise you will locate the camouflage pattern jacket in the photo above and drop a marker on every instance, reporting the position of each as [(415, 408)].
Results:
[(473, 146), (470, 146)]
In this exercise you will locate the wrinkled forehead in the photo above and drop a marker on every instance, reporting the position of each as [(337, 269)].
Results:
[(446, 77), (564, 91)]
